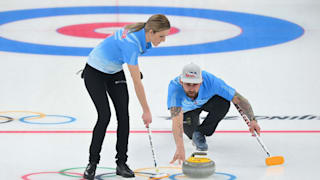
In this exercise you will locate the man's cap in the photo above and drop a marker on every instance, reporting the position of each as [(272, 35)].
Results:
[(191, 73)]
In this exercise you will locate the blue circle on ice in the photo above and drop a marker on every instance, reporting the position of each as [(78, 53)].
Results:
[(230, 176), (25, 120), (257, 31)]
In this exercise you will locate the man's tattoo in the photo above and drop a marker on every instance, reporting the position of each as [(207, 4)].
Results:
[(175, 111), (180, 130), (178, 127), (245, 106)]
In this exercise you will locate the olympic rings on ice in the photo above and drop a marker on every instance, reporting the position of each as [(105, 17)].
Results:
[(139, 172), (40, 115), (142, 172), (26, 177), (6, 117), (71, 119), (230, 176), (65, 173)]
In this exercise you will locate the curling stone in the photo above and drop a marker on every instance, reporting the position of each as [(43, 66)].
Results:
[(198, 167)]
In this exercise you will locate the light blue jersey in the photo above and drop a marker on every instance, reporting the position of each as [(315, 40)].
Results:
[(211, 85), (122, 47)]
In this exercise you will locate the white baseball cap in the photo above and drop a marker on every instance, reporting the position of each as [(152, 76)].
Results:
[(191, 73)]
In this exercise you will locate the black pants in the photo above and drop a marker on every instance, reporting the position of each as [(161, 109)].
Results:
[(98, 85), (217, 107)]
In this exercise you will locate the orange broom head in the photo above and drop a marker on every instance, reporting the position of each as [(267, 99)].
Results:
[(274, 160)]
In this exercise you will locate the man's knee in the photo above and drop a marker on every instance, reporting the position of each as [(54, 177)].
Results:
[(188, 130), (190, 123), (217, 105)]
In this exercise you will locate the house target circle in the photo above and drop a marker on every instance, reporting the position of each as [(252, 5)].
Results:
[(257, 30)]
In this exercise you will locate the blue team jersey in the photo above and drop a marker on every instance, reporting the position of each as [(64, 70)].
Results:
[(122, 47), (211, 85)]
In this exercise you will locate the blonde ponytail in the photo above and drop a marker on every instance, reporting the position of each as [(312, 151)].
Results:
[(135, 27), (156, 23)]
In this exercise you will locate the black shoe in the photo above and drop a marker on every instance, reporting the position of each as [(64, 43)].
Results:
[(124, 171), (90, 171)]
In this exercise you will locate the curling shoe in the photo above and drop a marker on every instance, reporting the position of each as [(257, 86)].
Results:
[(124, 171), (199, 140), (90, 171)]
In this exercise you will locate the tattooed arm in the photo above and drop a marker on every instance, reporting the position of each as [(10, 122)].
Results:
[(245, 106), (177, 130)]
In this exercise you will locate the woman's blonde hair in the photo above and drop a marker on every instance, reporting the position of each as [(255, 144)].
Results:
[(156, 23)]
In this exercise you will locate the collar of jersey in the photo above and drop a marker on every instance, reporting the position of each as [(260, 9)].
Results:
[(142, 38)]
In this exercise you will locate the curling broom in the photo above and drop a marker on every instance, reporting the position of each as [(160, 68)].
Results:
[(158, 175), (270, 160)]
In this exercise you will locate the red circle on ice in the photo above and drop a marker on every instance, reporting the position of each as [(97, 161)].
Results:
[(92, 30)]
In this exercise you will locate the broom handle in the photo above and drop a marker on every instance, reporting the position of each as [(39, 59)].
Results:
[(246, 119), (153, 154)]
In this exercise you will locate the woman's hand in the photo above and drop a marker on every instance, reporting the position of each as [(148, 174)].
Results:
[(147, 118)]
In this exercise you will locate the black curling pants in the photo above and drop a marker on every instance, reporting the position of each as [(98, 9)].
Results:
[(98, 85), (217, 108)]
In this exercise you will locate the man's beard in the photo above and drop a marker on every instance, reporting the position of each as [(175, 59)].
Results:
[(192, 95)]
